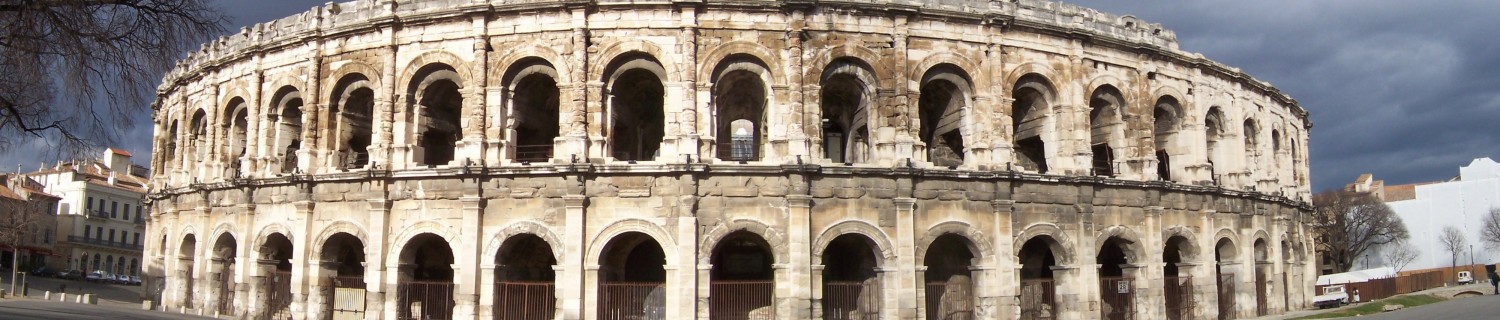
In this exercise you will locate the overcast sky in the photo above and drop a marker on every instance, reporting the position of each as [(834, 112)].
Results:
[(1403, 89)]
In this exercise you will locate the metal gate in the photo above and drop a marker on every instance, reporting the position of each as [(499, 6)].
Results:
[(225, 305), (1286, 292), (851, 300), (1261, 309), (632, 301), (1226, 296), (278, 291), (1038, 299), (1117, 295), (187, 292), (522, 300), (740, 300), (424, 300), (348, 297), (1179, 295), (950, 300)]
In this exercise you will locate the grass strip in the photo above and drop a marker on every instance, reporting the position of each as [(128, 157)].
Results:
[(1378, 306)]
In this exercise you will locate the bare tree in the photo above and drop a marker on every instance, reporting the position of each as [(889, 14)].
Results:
[(76, 71), (1489, 229), (1349, 224), (19, 220), (1399, 254), (1454, 242)]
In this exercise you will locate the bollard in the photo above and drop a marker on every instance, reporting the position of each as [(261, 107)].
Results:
[(46, 295), (90, 299), (62, 297), (146, 305)]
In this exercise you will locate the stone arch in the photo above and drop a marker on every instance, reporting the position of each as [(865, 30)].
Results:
[(1105, 126), (221, 229), (860, 227), (232, 90), (596, 247), (1136, 250), (945, 97), (507, 61), (352, 67), (183, 243), (268, 229), (827, 58), (742, 101), (978, 242), (962, 63), (492, 248), (847, 100), (711, 239), (315, 249), (717, 56), (1023, 70), (616, 51), (1034, 98), (1232, 237), (399, 241), (1192, 251), (413, 70), (1105, 79), (634, 99), (1261, 238), (1062, 245)]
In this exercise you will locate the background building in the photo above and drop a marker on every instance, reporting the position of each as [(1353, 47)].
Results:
[(1427, 207), (99, 219), (28, 222)]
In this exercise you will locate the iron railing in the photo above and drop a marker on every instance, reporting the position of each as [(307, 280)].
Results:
[(1117, 295), (424, 300), (105, 243), (1038, 299), (948, 300), (534, 153), (278, 287), (740, 300), (632, 301), (525, 300), (1226, 296), (1178, 291), (851, 300)]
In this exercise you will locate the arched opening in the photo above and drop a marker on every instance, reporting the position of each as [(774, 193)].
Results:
[(949, 279), (1165, 119), (636, 96), (135, 267), (353, 105), (424, 289), (941, 105), (287, 130), (632, 278), (534, 104), (170, 149), (851, 286), (1105, 128), (436, 114), (1029, 116), (109, 265), (276, 266), (1251, 153), (739, 101), (1213, 133), (1276, 150), (236, 131), (1038, 287), (98, 261), (847, 94), (198, 131), (1225, 255), (1116, 279), (524, 279), (342, 259), (1177, 280), (225, 249), (742, 281), (184, 274), (1262, 264)]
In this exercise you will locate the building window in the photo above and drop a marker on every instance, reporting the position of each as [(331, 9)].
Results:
[(114, 209), (47, 236), (86, 232), (127, 212), (90, 203), (137, 238), (111, 235), (138, 213)]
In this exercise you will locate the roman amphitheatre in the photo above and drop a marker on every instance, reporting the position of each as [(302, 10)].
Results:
[(951, 159)]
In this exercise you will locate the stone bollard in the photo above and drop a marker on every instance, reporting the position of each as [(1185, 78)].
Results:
[(90, 299), (146, 305), (2, 293), (62, 297), (46, 295)]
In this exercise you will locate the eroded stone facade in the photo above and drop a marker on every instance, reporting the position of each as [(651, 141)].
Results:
[(789, 160)]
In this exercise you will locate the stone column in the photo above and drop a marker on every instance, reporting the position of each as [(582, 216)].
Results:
[(571, 276), (796, 279), (300, 260), (816, 273), (466, 259), (904, 283), (376, 287), (259, 295), (319, 300)]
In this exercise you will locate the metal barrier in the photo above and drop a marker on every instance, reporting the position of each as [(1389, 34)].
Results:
[(1261, 307), (1118, 296), (632, 301), (534, 153), (851, 300), (1038, 299), (424, 300), (947, 301), (1226, 296), (523, 300), (740, 300), (1179, 296), (278, 287)]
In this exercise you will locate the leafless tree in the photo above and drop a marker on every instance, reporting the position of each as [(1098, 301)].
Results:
[(75, 72), (1454, 242), (1489, 229), (19, 220), (1399, 254), (1349, 224)]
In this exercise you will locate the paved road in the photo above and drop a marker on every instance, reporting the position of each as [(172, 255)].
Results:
[(47, 310), (1481, 307), (109, 294)]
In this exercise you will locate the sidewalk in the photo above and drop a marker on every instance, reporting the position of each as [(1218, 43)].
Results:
[(1447, 292)]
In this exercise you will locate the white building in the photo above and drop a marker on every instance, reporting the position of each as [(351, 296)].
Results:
[(1428, 207), (99, 220)]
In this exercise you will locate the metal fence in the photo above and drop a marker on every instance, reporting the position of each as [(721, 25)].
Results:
[(1179, 296), (1118, 297), (740, 300), (1226, 296), (1261, 307), (278, 286), (424, 300), (347, 297), (1038, 299), (851, 300), (534, 153), (947, 301), (525, 300), (632, 301)]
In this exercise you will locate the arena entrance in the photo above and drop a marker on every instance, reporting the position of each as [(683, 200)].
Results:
[(851, 287), (223, 275), (1116, 284), (949, 280), (276, 280), (1038, 287), (425, 287), (524, 279), (1177, 283), (742, 283), (1262, 262), (343, 261), (632, 279), (1225, 256)]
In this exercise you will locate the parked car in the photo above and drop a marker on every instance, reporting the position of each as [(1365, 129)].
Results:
[(98, 276), (134, 281), (120, 279), (70, 274), (44, 272), (1465, 278)]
